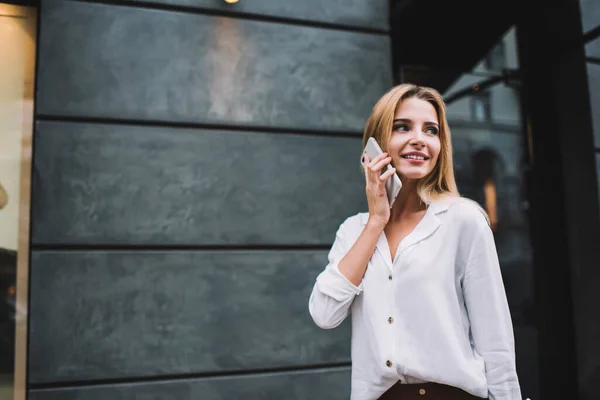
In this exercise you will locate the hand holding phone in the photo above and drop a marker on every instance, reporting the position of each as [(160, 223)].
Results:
[(393, 183)]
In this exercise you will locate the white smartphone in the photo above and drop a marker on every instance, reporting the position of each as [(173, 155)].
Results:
[(393, 184)]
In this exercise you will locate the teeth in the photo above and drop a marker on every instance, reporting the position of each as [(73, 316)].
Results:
[(413, 157)]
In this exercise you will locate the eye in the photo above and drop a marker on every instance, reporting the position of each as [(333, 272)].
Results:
[(400, 127), (432, 130)]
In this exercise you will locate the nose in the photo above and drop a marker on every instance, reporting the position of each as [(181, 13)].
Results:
[(417, 139)]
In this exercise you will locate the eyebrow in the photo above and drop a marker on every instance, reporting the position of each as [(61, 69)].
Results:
[(408, 120)]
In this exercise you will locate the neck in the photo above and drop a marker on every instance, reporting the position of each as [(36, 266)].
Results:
[(407, 202)]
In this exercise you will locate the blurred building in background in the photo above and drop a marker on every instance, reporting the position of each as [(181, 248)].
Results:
[(170, 189)]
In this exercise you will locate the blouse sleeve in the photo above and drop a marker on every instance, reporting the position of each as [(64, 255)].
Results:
[(489, 316), (333, 293)]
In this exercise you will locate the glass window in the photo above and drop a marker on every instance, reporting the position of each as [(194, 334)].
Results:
[(480, 107), (489, 159), (593, 71), (17, 58), (496, 59)]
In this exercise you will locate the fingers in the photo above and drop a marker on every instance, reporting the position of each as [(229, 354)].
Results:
[(373, 168), (387, 174), (376, 165), (377, 159)]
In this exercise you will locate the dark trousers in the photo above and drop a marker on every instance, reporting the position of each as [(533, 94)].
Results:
[(426, 391)]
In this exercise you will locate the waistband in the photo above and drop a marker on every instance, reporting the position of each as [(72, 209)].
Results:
[(426, 391)]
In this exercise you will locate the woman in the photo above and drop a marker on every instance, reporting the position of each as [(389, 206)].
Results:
[(430, 317)]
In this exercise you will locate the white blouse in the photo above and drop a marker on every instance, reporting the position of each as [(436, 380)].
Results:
[(436, 313)]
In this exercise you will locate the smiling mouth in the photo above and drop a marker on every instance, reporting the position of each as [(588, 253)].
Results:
[(415, 157)]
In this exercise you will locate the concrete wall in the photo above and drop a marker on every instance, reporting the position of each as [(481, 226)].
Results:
[(192, 163)]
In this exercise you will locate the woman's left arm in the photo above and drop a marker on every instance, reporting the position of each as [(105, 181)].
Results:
[(489, 316)]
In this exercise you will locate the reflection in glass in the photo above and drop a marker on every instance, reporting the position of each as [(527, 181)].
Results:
[(480, 107), (484, 176), (17, 58), (593, 75), (487, 137), (496, 59)]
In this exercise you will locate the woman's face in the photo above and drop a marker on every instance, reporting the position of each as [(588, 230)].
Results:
[(415, 143)]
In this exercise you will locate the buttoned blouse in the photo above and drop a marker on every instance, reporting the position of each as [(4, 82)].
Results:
[(437, 313)]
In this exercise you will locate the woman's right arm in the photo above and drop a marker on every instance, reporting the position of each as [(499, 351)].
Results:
[(341, 280)]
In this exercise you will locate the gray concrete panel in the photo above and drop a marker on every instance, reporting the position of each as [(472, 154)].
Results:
[(130, 63), (111, 184), (331, 384), (126, 314), (352, 13)]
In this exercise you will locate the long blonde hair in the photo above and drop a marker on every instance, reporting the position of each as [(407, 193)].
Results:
[(440, 182)]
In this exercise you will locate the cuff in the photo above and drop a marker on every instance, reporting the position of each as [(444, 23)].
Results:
[(335, 285)]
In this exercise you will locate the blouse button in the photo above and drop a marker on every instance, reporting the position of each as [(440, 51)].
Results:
[(422, 392), (388, 363), (390, 277), (390, 320)]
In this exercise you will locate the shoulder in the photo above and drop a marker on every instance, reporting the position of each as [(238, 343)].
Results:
[(355, 222), (468, 223), (352, 226), (465, 213)]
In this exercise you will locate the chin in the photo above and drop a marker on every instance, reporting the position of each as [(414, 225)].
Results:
[(413, 175)]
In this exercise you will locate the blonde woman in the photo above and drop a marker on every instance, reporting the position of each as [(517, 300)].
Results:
[(430, 319)]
